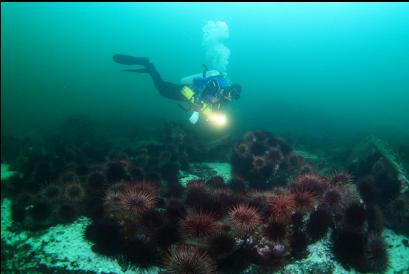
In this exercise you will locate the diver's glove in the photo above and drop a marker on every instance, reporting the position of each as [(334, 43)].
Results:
[(194, 117)]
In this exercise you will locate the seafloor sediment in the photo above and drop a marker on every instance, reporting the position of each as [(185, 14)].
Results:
[(63, 249)]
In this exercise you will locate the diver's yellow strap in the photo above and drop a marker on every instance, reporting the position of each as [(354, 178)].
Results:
[(188, 93), (206, 110)]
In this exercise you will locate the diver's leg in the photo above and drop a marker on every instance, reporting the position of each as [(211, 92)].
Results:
[(166, 89), (129, 60), (169, 90)]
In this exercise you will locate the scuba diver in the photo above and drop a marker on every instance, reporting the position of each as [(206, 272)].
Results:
[(207, 93)]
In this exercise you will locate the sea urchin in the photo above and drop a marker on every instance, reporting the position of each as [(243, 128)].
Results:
[(188, 259), (244, 217)]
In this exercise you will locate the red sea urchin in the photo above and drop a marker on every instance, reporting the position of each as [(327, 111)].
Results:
[(199, 225), (282, 207), (198, 197), (112, 200), (187, 260), (339, 178), (136, 199), (147, 186), (304, 201), (311, 182), (244, 217)]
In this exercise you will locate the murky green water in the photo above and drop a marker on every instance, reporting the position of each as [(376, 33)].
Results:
[(307, 69), (325, 77)]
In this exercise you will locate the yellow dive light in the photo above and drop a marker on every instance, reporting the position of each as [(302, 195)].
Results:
[(217, 119)]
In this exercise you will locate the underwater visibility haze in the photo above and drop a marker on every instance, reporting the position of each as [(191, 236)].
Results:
[(313, 67), (288, 150)]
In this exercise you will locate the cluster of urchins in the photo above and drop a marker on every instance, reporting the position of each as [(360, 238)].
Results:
[(142, 215), (40, 204), (265, 160), (214, 226), (64, 177)]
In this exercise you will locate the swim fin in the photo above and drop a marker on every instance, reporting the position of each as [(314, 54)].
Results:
[(130, 60), (137, 70)]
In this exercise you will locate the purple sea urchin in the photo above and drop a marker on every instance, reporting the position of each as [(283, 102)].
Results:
[(199, 225), (259, 162), (187, 260), (377, 254), (338, 177), (242, 150), (355, 215), (52, 193), (319, 222), (74, 192), (221, 245), (276, 231)]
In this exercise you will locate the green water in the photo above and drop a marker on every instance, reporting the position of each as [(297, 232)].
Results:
[(339, 69)]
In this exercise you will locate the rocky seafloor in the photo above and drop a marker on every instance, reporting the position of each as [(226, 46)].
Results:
[(63, 248)]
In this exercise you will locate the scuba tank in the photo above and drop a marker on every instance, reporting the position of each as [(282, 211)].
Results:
[(188, 80), (200, 81)]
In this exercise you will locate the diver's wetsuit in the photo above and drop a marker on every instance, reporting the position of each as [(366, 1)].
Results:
[(166, 89)]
